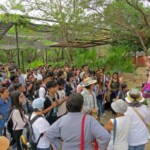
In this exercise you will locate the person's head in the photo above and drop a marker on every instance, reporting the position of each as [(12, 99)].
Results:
[(60, 74), (119, 106), (31, 77), (70, 77), (35, 71), (17, 99), (52, 87), (60, 83), (4, 143), (85, 68), (46, 78), (134, 98), (19, 71), (4, 93), (38, 104), (89, 83), (75, 103), (108, 75), (19, 87), (14, 78), (115, 75), (83, 75), (124, 87)]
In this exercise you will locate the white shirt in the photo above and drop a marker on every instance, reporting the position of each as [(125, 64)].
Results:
[(122, 132), (139, 133), (38, 76), (18, 122), (62, 108), (42, 91), (40, 126)]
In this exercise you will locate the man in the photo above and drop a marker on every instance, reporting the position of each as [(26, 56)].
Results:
[(85, 68), (20, 76), (43, 90), (68, 128), (37, 75), (90, 103), (14, 79)]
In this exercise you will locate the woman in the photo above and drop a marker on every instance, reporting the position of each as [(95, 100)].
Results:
[(100, 91), (70, 86), (18, 116), (5, 103), (114, 86), (138, 135), (67, 129), (121, 128)]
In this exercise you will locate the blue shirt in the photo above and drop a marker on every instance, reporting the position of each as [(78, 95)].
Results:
[(4, 110)]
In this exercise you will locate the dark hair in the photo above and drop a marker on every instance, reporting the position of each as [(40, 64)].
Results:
[(13, 77), (88, 87), (123, 86), (69, 75), (60, 81), (45, 77), (17, 85), (3, 89), (60, 73), (84, 66), (51, 74), (75, 102), (15, 102), (51, 84)]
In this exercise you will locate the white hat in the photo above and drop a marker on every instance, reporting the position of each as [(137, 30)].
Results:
[(38, 103), (88, 81), (119, 106), (81, 75), (134, 94)]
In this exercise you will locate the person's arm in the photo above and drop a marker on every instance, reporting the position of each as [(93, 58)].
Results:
[(109, 84), (102, 136), (45, 111), (109, 126), (54, 133)]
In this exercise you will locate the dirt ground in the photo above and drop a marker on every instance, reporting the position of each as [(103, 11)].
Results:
[(108, 116)]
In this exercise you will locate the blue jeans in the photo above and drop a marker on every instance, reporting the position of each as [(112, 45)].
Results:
[(139, 147), (100, 105)]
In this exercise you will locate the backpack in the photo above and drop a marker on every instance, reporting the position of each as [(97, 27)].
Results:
[(8, 128), (26, 139), (36, 93), (146, 90)]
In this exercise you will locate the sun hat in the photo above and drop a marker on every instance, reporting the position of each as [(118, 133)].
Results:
[(81, 75), (88, 81), (38, 103), (4, 143), (134, 95), (119, 106)]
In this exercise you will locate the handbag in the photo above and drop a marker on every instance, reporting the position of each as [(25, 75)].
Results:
[(146, 90), (142, 118), (82, 136)]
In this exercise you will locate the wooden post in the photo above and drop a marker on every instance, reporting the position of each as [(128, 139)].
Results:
[(17, 44)]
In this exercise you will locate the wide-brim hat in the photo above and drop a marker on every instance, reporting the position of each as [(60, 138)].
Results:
[(119, 106), (134, 94), (88, 81), (4, 143)]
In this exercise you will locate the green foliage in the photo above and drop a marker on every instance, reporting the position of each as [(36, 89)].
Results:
[(35, 64)]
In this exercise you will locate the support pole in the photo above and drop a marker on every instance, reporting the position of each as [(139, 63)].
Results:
[(17, 44), (46, 55)]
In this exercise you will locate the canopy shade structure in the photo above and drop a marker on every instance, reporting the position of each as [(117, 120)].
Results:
[(4, 28)]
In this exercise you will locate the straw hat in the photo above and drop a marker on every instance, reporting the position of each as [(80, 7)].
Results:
[(88, 81), (119, 106), (4, 143), (134, 94)]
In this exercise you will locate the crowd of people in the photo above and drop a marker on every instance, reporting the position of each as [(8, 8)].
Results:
[(65, 107)]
